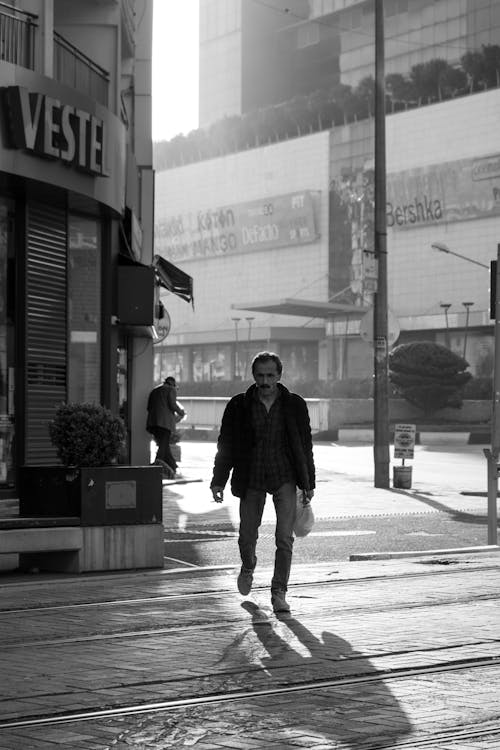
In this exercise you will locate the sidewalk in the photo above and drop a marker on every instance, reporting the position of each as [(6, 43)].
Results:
[(345, 488), (394, 655)]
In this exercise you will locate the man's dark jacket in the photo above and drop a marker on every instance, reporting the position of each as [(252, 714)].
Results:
[(236, 441)]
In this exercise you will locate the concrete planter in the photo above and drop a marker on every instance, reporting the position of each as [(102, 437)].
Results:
[(87, 519), (98, 496)]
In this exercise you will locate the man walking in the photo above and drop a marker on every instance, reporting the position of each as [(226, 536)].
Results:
[(163, 414), (265, 439)]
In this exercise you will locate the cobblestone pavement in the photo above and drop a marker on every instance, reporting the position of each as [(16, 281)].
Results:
[(399, 654)]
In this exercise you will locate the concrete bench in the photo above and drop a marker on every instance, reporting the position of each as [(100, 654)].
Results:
[(48, 543), (63, 545)]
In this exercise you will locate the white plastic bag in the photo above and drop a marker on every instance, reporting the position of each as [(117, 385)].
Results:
[(304, 517)]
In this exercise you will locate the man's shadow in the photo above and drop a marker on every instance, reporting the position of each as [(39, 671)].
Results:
[(351, 712)]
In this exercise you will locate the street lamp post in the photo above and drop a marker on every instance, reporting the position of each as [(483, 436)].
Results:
[(492, 454), (446, 306), (467, 306), (249, 320), (236, 321), (445, 249)]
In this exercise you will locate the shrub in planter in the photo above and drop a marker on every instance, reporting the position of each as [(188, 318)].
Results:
[(87, 434), (428, 375)]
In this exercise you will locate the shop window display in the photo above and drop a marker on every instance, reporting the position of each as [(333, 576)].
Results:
[(211, 363)]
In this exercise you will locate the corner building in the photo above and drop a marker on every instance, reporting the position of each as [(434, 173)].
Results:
[(76, 219), (299, 280)]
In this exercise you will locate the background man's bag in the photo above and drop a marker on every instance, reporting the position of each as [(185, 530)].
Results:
[(304, 517)]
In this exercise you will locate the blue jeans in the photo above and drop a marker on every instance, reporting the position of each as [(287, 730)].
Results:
[(251, 509)]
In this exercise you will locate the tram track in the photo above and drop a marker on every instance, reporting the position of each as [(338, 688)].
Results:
[(238, 696), (220, 592), (207, 625)]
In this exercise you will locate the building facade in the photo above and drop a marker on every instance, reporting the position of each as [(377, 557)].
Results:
[(255, 54), (278, 240), (76, 219), (279, 236)]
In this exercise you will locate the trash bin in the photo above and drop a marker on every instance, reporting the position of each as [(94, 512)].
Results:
[(401, 477)]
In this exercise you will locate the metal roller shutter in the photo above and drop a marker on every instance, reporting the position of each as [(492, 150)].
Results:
[(46, 327)]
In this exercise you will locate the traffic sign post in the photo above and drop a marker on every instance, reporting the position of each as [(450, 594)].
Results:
[(404, 441), (404, 447)]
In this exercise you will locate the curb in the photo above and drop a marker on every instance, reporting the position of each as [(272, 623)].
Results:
[(424, 553), (361, 434), (365, 434)]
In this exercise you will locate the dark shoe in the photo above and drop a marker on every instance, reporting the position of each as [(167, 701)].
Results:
[(245, 580), (279, 602)]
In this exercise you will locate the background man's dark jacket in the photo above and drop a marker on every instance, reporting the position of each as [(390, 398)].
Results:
[(163, 408), (236, 440)]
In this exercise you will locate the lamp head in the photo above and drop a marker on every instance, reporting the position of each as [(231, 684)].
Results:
[(441, 247)]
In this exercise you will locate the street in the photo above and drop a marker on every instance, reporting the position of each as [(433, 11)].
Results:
[(397, 653), (444, 509)]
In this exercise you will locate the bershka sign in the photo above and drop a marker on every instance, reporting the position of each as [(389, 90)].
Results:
[(48, 127)]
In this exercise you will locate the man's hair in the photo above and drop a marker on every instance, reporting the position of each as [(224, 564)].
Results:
[(267, 357), (170, 380)]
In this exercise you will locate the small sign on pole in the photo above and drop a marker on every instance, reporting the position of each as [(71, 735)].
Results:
[(404, 441)]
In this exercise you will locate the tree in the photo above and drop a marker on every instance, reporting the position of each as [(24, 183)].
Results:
[(399, 88), (491, 57), (474, 66), (426, 78), (365, 92), (453, 81), (428, 375)]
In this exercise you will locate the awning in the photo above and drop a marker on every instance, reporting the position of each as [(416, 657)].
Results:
[(302, 307), (173, 279)]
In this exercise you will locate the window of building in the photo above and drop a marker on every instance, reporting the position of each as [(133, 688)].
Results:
[(307, 35), (300, 362), (211, 362), (84, 309), (171, 361)]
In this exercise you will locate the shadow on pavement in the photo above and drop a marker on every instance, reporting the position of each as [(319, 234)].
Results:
[(462, 516), (185, 529), (346, 714)]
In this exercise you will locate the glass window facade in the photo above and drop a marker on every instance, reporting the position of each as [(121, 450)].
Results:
[(84, 309), (226, 362)]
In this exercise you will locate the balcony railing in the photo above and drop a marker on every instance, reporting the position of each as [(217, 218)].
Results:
[(75, 69), (17, 36)]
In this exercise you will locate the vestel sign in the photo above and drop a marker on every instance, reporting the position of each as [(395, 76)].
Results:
[(45, 126)]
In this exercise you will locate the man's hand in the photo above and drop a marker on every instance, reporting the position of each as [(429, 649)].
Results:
[(307, 496), (218, 494)]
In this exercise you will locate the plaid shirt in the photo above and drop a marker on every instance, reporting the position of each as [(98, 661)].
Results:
[(270, 466)]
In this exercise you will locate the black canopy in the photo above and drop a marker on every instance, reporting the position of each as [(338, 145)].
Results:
[(172, 278)]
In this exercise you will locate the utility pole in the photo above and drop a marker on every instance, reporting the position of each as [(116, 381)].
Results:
[(380, 327)]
